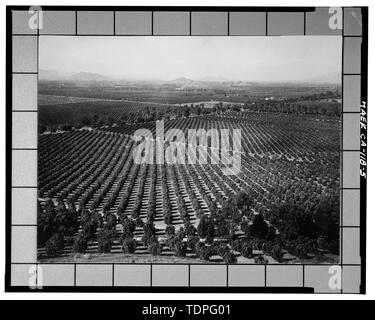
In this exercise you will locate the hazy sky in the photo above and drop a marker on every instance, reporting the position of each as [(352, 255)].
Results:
[(293, 58)]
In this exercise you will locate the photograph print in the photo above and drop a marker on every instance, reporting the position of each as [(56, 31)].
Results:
[(206, 150)]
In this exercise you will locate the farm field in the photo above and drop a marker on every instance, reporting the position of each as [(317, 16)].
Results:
[(177, 92), (56, 110), (189, 149), (282, 207)]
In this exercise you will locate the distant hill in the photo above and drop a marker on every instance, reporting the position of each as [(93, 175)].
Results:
[(87, 76), (79, 76), (333, 78), (182, 81)]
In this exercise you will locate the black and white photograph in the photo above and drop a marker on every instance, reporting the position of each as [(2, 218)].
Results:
[(196, 150), (160, 151)]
